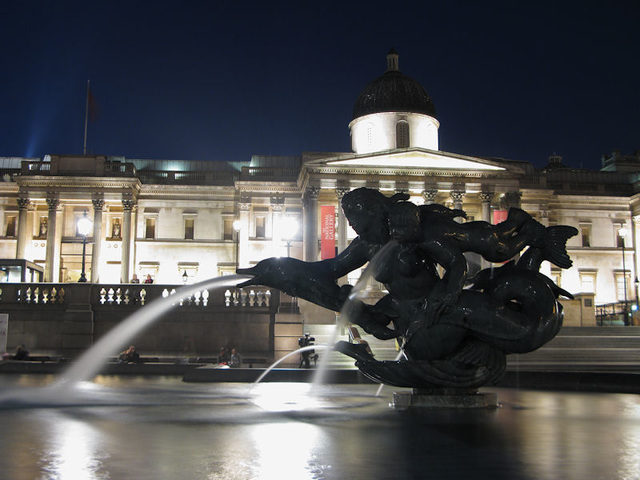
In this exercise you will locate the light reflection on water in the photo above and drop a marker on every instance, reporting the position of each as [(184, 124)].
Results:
[(163, 428)]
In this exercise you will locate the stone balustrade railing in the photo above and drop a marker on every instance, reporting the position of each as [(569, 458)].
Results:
[(133, 295)]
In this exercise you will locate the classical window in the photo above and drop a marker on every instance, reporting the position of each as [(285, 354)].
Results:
[(588, 281), (150, 228), (621, 232), (585, 235), (402, 134), (10, 227), (261, 222), (189, 224), (227, 229), (622, 283)]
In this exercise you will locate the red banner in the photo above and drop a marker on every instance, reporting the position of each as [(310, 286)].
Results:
[(499, 216), (328, 233)]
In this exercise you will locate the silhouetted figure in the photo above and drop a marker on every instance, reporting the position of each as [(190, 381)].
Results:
[(21, 353), (307, 355), (130, 355), (223, 356)]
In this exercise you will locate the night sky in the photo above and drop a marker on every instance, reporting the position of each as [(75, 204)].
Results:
[(217, 80)]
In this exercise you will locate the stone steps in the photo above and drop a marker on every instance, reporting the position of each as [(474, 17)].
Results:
[(605, 346)]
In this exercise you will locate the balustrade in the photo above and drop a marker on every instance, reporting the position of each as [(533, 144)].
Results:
[(132, 296)]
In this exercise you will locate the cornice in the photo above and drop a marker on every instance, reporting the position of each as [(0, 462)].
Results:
[(362, 170), (267, 187), (77, 182)]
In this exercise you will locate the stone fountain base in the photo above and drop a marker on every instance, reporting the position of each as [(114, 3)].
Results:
[(443, 398)]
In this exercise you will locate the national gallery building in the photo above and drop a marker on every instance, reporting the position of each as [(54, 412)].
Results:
[(187, 220)]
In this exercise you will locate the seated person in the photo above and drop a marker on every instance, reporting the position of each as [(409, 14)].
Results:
[(130, 355), (21, 353), (235, 360)]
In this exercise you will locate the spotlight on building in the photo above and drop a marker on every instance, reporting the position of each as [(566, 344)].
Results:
[(289, 231)]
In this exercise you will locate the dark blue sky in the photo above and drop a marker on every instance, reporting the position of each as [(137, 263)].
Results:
[(219, 80)]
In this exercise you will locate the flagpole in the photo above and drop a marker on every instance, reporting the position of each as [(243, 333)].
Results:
[(86, 121)]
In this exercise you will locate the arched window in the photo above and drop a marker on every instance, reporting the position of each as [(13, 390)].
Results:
[(402, 134)]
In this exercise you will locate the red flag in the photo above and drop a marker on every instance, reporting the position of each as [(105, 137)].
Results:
[(92, 106)]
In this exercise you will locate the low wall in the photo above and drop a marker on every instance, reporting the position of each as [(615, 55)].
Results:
[(65, 319)]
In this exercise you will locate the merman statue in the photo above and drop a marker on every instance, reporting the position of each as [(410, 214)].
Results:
[(454, 331)]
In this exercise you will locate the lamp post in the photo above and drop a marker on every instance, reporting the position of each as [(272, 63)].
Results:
[(84, 228), (623, 233), (636, 283), (236, 232), (289, 229), (185, 277)]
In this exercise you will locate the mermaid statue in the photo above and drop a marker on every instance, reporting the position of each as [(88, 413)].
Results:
[(454, 329)]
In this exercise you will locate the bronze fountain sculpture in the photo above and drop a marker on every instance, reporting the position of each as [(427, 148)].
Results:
[(455, 331)]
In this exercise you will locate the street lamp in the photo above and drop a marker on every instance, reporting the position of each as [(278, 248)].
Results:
[(623, 233), (236, 231), (84, 228), (289, 230), (185, 277)]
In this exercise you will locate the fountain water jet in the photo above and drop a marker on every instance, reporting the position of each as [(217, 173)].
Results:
[(90, 362)]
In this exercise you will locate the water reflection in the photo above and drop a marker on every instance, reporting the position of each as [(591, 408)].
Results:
[(163, 428), (72, 448), (287, 450)]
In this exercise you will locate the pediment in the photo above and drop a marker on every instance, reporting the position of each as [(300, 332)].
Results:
[(414, 158)]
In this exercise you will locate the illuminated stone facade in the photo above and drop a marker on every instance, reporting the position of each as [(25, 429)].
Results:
[(174, 220)]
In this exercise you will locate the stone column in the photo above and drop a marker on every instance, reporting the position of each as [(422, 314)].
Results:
[(51, 269), (243, 239), (429, 195), (486, 197), (342, 219), (21, 244), (98, 204), (457, 195), (277, 205), (310, 205), (128, 205), (635, 222)]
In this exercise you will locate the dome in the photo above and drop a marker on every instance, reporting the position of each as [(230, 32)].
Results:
[(393, 92)]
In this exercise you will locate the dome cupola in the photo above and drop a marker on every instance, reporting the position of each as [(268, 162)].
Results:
[(393, 111)]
